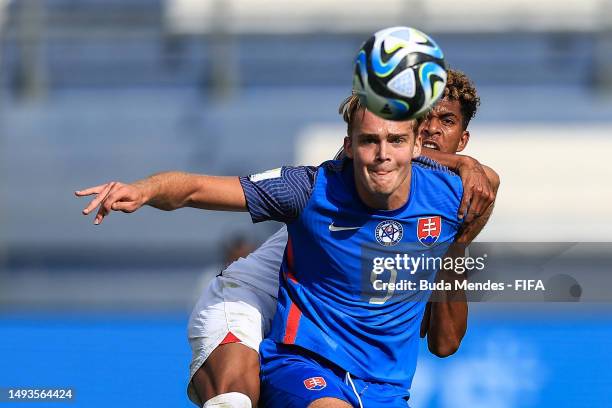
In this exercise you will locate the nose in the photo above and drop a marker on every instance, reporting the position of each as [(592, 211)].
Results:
[(383, 151), (430, 127)]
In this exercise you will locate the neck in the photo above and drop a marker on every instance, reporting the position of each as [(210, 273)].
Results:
[(386, 202)]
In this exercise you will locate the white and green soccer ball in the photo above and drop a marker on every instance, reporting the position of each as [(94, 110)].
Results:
[(399, 73)]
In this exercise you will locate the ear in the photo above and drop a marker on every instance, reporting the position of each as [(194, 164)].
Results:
[(465, 138), (418, 144), (348, 144)]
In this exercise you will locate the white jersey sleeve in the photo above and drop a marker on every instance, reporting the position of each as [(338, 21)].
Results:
[(260, 268)]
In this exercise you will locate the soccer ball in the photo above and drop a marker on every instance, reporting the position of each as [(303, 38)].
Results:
[(399, 73)]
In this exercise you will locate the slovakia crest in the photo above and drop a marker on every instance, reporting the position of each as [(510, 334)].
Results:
[(389, 233), (315, 383), (429, 229)]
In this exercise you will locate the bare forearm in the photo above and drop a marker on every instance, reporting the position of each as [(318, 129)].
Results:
[(450, 160), (446, 322), (456, 161), (166, 191), (171, 190), (447, 326)]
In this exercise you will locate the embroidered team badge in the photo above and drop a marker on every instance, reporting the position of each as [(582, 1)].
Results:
[(389, 233), (429, 229), (315, 383)]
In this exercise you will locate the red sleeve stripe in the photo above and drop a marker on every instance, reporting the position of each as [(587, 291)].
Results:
[(290, 274), (291, 326)]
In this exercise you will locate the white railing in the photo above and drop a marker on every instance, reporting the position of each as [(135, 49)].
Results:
[(338, 16)]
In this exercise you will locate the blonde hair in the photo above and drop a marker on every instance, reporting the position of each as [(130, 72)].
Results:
[(352, 104)]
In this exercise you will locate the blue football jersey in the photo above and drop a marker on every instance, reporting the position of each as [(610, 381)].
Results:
[(323, 302)]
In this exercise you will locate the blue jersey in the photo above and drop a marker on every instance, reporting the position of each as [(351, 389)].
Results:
[(321, 302)]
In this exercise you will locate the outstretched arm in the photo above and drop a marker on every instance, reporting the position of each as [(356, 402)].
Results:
[(166, 191)]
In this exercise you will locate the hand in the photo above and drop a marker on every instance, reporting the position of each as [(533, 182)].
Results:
[(113, 196), (478, 192)]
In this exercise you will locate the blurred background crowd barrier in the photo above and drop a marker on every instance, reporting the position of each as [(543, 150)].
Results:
[(99, 90)]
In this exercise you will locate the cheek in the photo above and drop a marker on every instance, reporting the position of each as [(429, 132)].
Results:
[(364, 154), (404, 158), (451, 140)]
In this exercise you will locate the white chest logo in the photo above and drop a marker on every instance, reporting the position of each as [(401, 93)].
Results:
[(335, 228), (389, 233)]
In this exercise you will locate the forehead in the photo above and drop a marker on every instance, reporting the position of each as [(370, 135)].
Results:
[(365, 122), (448, 106)]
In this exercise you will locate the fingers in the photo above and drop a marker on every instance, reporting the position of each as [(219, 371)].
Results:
[(125, 206), (112, 196), (475, 205), (120, 198), (481, 199), (465, 203), (471, 215), (102, 193), (90, 190), (478, 193), (102, 212)]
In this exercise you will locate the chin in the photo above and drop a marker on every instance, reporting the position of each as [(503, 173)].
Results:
[(381, 189)]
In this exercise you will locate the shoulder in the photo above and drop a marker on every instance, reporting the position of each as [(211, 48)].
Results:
[(321, 175), (430, 172), (300, 174), (439, 188), (424, 162), (279, 194), (333, 166), (282, 178)]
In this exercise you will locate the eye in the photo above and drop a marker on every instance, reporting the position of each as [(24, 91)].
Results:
[(397, 139), (369, 140), (448, 121)]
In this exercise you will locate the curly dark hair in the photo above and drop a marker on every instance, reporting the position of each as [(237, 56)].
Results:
[(459, 87)]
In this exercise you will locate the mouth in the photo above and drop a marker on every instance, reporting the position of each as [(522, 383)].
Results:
[(431, 145), (380, 176), (379, 173)]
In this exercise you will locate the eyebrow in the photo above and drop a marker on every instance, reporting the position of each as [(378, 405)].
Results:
[(377, 135)]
